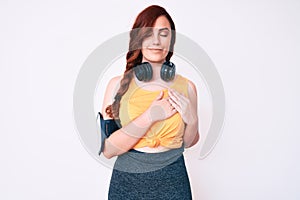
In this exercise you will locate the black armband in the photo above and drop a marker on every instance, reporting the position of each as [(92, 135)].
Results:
[(107, 127)]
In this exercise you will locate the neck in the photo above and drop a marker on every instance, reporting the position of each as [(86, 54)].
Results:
[(156, 67)]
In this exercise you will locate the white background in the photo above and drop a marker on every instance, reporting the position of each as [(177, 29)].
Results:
[(254, 45)]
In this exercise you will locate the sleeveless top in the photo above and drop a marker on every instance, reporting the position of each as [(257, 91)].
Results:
[(167, 133)]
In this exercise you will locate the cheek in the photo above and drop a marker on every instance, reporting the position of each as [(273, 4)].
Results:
[(145, 43), (166, 42), (145, 53)]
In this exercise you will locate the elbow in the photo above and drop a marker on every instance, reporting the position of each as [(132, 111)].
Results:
[(194, 142), (110, 154), (107, 150), (107, 155), (111, 150)]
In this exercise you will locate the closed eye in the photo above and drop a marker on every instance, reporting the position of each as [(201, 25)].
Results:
[(164, 32), (164, 35)]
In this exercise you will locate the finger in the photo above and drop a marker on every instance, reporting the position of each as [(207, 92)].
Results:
[(178, 96), (160, 96), (172, 96), (175, 105), (172, 102), (173, 111), (179, 102)]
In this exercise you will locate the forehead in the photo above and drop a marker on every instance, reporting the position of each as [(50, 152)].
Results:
[(162, 22)]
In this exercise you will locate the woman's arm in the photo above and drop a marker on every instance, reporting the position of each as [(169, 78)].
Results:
[(191, 133), (187, 107), (126, 137)]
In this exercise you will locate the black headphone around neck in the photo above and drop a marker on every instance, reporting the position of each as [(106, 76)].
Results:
[(144, 72)]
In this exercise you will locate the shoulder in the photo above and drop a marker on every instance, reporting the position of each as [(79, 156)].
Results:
[(192, 93), (191, 87), (110, 92), (113, 85), (114, 81)]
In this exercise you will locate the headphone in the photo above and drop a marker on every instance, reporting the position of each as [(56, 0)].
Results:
[(144, 72)]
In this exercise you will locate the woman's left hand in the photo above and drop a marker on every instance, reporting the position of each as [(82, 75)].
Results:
[(183, 105)]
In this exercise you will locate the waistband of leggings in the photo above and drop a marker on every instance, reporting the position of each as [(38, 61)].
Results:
[(135, 161)]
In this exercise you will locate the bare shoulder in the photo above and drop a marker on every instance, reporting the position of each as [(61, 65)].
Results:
[(192, 92), (110, 92), (113, 86), (114, 81), (192, 87)]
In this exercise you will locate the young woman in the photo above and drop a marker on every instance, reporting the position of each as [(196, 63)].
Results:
[(156, 110)]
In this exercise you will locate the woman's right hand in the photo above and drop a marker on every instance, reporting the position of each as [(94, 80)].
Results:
[(160, 109)]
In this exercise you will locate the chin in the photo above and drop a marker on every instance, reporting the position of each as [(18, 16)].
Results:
[(155, 59)]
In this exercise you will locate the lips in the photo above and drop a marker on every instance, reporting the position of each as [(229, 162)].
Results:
[(155, 49)]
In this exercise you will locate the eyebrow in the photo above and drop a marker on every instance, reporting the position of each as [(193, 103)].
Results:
[(162, 29)]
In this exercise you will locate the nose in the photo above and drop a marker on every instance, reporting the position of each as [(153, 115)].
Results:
[(155, 39)]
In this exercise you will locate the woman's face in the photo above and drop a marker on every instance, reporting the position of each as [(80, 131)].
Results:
[(155, 48)]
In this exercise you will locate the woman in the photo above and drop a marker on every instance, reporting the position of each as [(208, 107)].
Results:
[(156, 110)]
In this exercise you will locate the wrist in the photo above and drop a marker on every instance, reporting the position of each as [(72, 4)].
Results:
[(149, 117)]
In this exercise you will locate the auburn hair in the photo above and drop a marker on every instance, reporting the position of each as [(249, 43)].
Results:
[(134, 56)]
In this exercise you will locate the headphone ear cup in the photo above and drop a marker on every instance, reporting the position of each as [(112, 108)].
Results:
[(143, 71), (167, 72)]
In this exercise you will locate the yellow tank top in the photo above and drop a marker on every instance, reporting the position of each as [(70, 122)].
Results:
[(135, 101)]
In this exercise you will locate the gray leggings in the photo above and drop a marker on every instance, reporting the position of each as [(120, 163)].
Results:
[(150, 176)]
